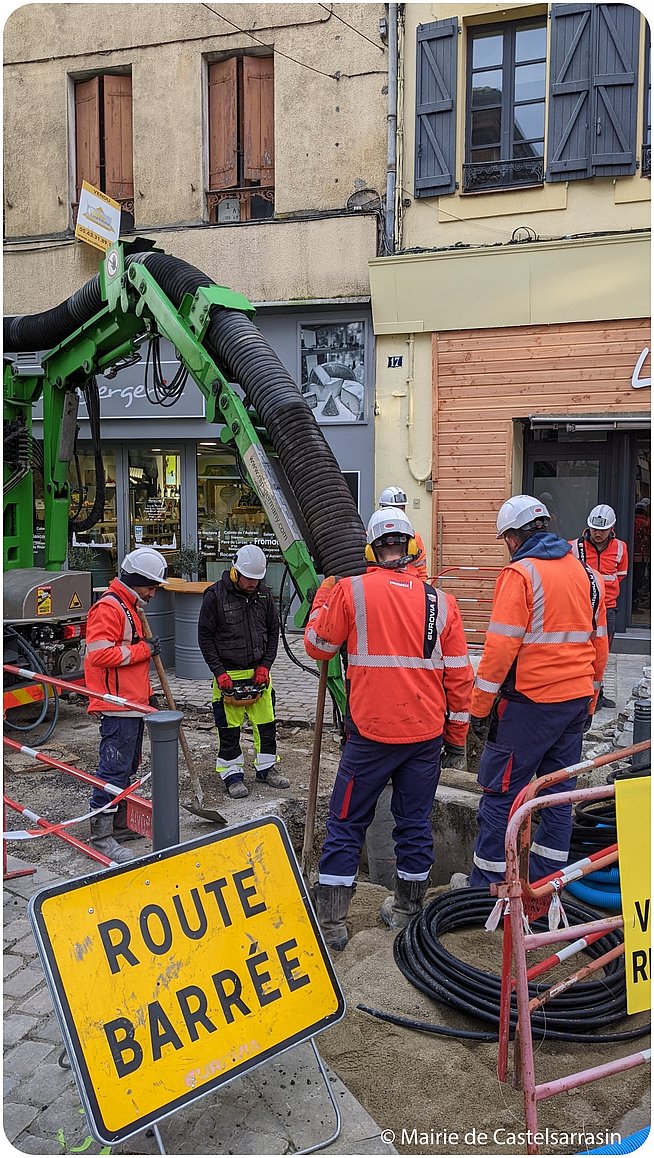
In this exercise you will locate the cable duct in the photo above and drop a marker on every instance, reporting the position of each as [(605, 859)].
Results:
[(234, 342)]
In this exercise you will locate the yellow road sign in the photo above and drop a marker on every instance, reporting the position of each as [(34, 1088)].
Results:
[(632, 811), (177, 972)]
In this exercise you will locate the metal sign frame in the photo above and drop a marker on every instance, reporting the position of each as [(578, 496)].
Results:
[(54, 966)]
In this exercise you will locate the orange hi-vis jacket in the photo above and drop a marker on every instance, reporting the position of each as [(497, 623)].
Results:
[(612, 562), (408, 669), (419, 565), (542, 621), (114, 662)]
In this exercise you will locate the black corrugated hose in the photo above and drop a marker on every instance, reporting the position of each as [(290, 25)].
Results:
[(235, 343), (583, 1013)]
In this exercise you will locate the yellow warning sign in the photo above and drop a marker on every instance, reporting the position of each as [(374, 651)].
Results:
[(178, 972), (44, 601), (632, 810), (75, 603)]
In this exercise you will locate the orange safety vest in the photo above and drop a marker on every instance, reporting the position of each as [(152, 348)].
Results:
[(612, 562), (117, 658), (542, 622), (408, 670)]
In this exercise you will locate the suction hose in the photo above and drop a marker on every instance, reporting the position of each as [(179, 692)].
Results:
[(312, 472)]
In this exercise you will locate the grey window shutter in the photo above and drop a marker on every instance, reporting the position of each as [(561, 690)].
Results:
[(593, 82), (613, 128), (568, 139), (436, 108)]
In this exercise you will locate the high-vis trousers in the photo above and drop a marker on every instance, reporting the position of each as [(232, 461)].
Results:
[(119, 756), (364, 771), (531, 740), (229, 720)]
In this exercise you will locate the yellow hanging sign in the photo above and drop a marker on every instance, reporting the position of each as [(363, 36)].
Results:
[(632, 809)]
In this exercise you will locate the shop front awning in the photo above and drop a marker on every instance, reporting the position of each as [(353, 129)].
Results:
[(578, 423)]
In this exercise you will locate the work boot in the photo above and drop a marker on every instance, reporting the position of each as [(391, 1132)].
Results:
[(459, 881), (605, 703), (398, 910), (102, 838), (332, 903), (122, 831), (236, 788), (273, 779)]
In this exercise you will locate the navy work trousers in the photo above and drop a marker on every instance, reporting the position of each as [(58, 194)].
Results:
[(121, 739), (531, 740), (365, 769)]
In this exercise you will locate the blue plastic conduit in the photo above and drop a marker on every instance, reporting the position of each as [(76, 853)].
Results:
[(599, 898), (626, 1146)]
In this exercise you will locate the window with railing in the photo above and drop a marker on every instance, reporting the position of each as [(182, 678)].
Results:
[(506, 88), (241, 139), (103, 139)]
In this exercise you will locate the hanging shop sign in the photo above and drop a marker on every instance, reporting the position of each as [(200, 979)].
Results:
[(176, 973), (632, 810), (98, 218)]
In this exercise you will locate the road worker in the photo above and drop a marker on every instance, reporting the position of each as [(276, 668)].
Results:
[(536, 685), (117, 661), (395, 497), (410, 681), (604, 552), (238, 634)]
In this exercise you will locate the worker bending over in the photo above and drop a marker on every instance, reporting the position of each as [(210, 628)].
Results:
[(238, 634), (601, 549), (410, 681), (394, 497), (536, 685)]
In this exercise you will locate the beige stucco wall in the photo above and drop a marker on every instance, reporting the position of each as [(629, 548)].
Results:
[(330, 133), (557, 209)]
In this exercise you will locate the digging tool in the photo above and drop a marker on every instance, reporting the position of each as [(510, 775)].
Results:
[(310, 822), (205, 813)]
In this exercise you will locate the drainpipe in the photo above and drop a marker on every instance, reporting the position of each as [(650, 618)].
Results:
[(420, 475), (391, 147)]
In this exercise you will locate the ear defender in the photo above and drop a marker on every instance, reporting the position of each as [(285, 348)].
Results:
[(233, 573), (412, 548), (369, 554)]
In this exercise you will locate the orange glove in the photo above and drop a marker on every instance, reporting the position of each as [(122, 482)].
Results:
[(326, 586)]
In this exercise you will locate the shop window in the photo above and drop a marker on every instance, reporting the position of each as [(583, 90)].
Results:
[(332, 370), (154, 499), (241, 120), (506, 105), (82, 479), (103, 139)]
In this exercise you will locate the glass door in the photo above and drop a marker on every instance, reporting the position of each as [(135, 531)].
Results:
[(154, 475), (570, 483)]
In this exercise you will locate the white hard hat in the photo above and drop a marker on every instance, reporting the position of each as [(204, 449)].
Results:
[(519, 512), (147, 564), (250, 561), (392, 497), (386, 522), (601, 518)]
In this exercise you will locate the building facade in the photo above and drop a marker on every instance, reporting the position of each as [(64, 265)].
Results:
[(512, 319), (253, 146)]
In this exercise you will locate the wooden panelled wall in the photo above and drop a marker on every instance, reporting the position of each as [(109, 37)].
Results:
[(483, 380)]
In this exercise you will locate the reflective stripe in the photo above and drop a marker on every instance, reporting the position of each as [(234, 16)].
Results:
[(486, 686), (619, 552), (612, 578), (551, 853), (597, 685), (601, 631), (405, 661), (326, 879), (538, 595), (322, 644), (455, 661), (226, 768), (506, 629), (459, 717), (557, 637), (360, 621), (621, 574), (492, 866), (126, 654), (97, 644), (411, 876)]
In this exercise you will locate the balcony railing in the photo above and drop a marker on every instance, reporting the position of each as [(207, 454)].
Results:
[(482, 175), (248, 203), (646, 161)]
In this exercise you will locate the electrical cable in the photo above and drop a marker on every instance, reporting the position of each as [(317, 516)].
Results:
[(337, 717), (50, 694), (91, 393), (581, 1013)]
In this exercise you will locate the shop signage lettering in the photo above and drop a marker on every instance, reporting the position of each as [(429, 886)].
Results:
[(636, 382), (176, 973)]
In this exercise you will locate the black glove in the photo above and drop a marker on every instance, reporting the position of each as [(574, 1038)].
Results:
[(481, 727), (155, 645), (587, 724), (154, 702), (453, 755)]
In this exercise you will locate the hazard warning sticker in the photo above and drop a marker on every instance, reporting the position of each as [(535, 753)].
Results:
[(75, 603), (44, 601)]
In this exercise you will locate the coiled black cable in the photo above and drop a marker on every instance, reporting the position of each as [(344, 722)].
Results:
[(593, 828), (582, 1013), (50, 693)]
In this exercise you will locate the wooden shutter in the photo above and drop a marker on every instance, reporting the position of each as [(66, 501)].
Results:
[(87, 133), (613, 148), (436, 108), (118, 154), (258, 120), (592, 110), (569, 111), (223, 125)]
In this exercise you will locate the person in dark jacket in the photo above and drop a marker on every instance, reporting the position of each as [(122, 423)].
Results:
[(238, 634)]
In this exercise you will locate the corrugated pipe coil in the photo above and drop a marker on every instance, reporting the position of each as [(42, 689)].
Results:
[(626, 1146), (313, 474)]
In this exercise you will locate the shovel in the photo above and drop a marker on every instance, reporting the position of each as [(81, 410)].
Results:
[(310, 822), (205, 813)]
